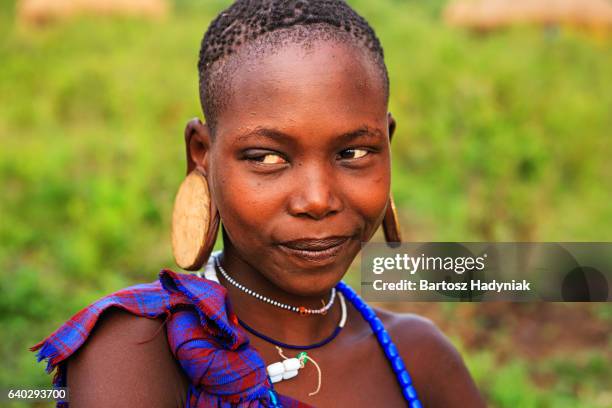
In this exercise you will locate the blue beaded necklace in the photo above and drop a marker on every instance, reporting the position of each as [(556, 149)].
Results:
[(397, 364)]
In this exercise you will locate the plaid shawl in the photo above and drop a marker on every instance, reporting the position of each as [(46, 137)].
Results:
[(203, 334)]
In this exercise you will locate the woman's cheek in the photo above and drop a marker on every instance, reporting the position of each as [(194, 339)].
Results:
[(369, 197), (246, 206)]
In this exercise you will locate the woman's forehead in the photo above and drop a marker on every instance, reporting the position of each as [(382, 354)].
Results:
[(295, 86)]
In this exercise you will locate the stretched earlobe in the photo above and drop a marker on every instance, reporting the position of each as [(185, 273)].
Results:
[(392, 124), (195, 219), (391, 226)]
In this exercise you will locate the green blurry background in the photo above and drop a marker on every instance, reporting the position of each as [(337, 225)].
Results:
[(501, 136)]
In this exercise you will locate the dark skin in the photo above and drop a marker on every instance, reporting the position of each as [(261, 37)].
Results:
[(300, 152)]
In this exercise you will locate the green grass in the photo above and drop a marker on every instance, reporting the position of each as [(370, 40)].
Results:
[(500, 137), (511, 383)]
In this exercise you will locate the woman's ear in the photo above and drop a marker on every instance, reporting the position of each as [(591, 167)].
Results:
[(391, 124), (197, 145)]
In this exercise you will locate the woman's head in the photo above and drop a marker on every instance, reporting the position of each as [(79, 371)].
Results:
[(296, 146)]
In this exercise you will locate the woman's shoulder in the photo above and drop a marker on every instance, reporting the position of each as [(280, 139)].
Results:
[(120, 346), (437, 368), (123, 332), (120, 326), (419, 340), (410, 328), (147, 300), (126, 361)]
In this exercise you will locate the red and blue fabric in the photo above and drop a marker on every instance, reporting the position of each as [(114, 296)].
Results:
[(203, 334)]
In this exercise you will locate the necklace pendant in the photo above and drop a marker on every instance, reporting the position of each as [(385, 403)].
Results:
[(283, 370), (302, 311)]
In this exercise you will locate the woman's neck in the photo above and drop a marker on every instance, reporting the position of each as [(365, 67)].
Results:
[(280, 324)]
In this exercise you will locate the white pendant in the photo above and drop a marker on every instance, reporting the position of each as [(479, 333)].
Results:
[(291, 364), (283, 370), (276, 369), (289, 374)]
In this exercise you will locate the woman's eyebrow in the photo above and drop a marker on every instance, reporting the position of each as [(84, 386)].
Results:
[(363, 131), (270, 133), (279, 136)]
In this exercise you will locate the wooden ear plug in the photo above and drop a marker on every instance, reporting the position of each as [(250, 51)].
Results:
[(195, 222), (391, 226)]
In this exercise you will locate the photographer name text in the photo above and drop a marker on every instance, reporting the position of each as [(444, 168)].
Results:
[(473, 285)]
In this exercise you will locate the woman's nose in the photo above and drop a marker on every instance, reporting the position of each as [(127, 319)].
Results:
[(315, 196)]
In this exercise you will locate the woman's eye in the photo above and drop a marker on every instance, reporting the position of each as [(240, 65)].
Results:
[(269, 158), (353, 153)]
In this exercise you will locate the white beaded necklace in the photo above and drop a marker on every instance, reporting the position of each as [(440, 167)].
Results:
[(297, 309)]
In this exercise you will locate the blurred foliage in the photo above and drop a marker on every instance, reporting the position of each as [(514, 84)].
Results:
[(500, 137), (510, 384)]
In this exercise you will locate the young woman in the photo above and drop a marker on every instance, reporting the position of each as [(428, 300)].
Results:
[(294, 161)]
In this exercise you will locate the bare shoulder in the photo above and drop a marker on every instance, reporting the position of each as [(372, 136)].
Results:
[(126, 361), (409, 330), (438, 370)]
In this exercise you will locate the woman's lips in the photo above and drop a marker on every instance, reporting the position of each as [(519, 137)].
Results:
[(315, 250)]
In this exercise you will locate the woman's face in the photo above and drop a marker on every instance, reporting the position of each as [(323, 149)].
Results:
[(299, 167)]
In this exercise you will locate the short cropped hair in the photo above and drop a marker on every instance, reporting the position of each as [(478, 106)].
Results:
[(280, 22)]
